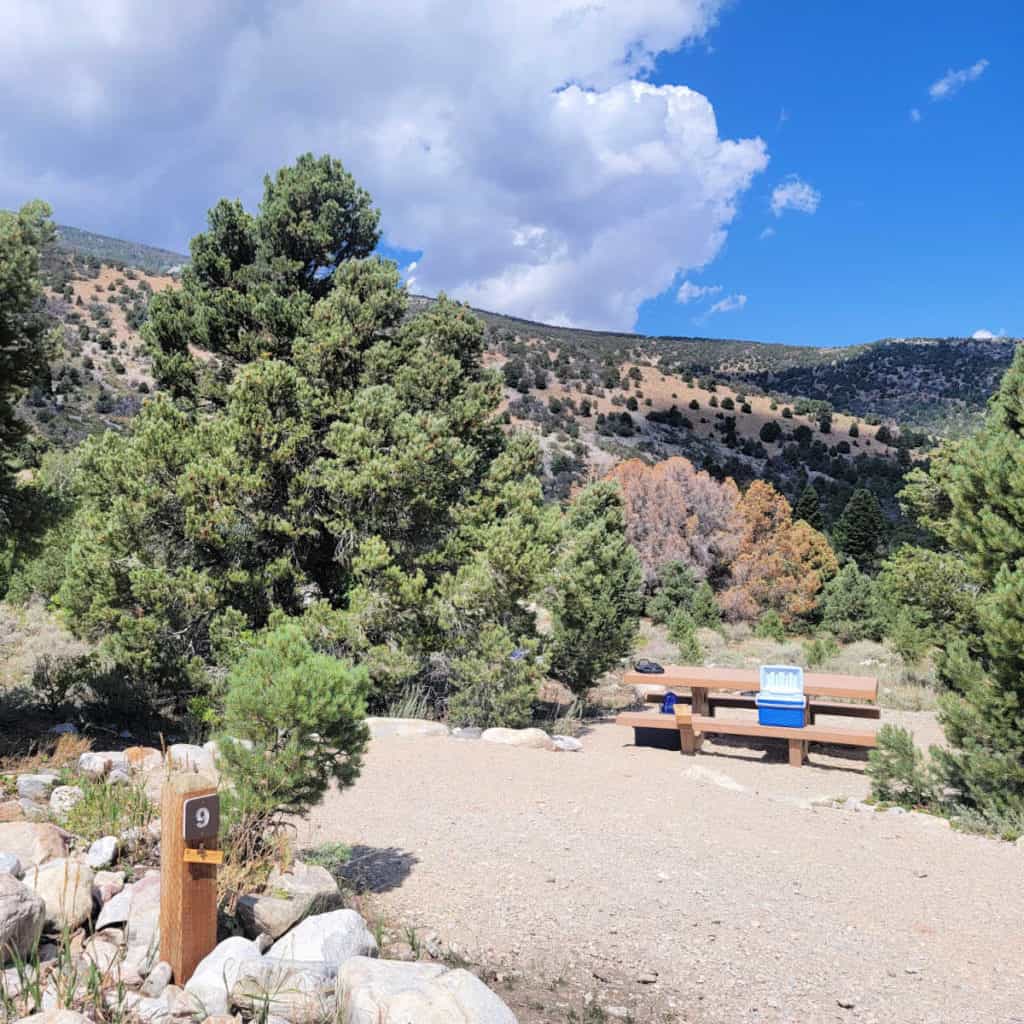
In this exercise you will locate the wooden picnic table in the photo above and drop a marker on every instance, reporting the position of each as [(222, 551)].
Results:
[(702, 681)]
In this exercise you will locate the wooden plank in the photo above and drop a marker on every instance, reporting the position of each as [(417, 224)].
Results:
[(816, 684), (808, 734), (188, 891), (646, 720), (797, 753), (816, 707)]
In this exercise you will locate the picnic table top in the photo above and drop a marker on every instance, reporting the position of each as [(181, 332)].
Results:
[(816, 684)]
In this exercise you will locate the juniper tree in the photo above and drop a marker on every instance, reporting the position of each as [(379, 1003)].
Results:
[(808, 508), (860, 530), (24, 325), (346, 467)]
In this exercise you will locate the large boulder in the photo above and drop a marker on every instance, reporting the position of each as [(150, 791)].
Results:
[(405, 727), (65, 886), (10, 810), (536, 738), (95, 764), (37, 788), (374, 991), (188, 757), (142, 933), (55, 1016), (22, 913), (328, 938), (290, 896), (32, 842), (102, 853), (213, 979), (297, 992), (10, 865), (63, 798)]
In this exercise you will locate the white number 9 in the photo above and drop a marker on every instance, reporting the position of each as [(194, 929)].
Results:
[(203, 817)]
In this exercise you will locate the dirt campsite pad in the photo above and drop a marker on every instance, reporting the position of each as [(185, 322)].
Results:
[(707, 889)]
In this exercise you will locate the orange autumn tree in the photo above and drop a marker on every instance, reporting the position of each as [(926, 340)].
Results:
[(676, 513), (781, 565)]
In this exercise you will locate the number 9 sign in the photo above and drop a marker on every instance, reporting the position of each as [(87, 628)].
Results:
[(202, 818)]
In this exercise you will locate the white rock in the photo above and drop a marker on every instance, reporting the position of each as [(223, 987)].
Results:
[(10, 865), (467, 732), (536, 738), (66, 888), (36, 787), (22, 913), (567, 743), (370, 991), (63, 798), (34, 811), (95, 764), (189, 757), (331, 938), (115, 910), (55, 1016), (102, 853), (142, 934), (296, 992), (157, 980), (290, 896), (102, 951), (119, 776), (32, 842), (1020, 843), (217, 973), (405, 727), (106, 885)]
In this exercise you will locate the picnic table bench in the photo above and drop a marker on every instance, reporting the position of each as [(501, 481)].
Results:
[(695, 712)]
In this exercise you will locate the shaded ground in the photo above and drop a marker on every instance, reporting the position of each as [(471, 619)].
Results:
[(702, 890)]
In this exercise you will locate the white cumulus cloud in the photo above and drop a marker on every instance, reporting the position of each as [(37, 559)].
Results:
[(794, 194), (517, 148), (915, 114), (982, 335), (690, 292), (953, 81), (729, 304)]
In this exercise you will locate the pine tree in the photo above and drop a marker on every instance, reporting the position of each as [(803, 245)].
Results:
[(595, 607), (24, 324), (984, 722), (860, 530), (808, 508), (682, 631)]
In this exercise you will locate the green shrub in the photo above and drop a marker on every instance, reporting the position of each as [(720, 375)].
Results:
[(109, 809), (704, 608), (676, 590), (495, 682), (292, 723), (849, 605), (906, 635), (820, 649), (770, 627), (682, 631), (898, 771)]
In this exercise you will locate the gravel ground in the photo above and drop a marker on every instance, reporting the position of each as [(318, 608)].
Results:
[(699, 889)]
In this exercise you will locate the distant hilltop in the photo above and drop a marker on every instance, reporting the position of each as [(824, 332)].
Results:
[(116, 251)]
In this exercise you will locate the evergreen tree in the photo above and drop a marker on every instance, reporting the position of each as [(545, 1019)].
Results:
[(24, 325), (345, 468), (682, 631), (860, 530), (808, 508), (596, 602), (676, 586), (984, 722), (849, 605)]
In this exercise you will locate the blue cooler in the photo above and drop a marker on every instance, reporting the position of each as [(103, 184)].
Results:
[(781, 699)]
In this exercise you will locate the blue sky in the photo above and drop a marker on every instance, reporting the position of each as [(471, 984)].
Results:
[(565, 160), (919, 227)]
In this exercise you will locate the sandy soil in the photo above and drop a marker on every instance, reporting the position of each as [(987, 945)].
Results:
[(702, 889)]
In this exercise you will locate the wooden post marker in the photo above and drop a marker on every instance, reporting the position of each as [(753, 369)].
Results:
[(189, 854)]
